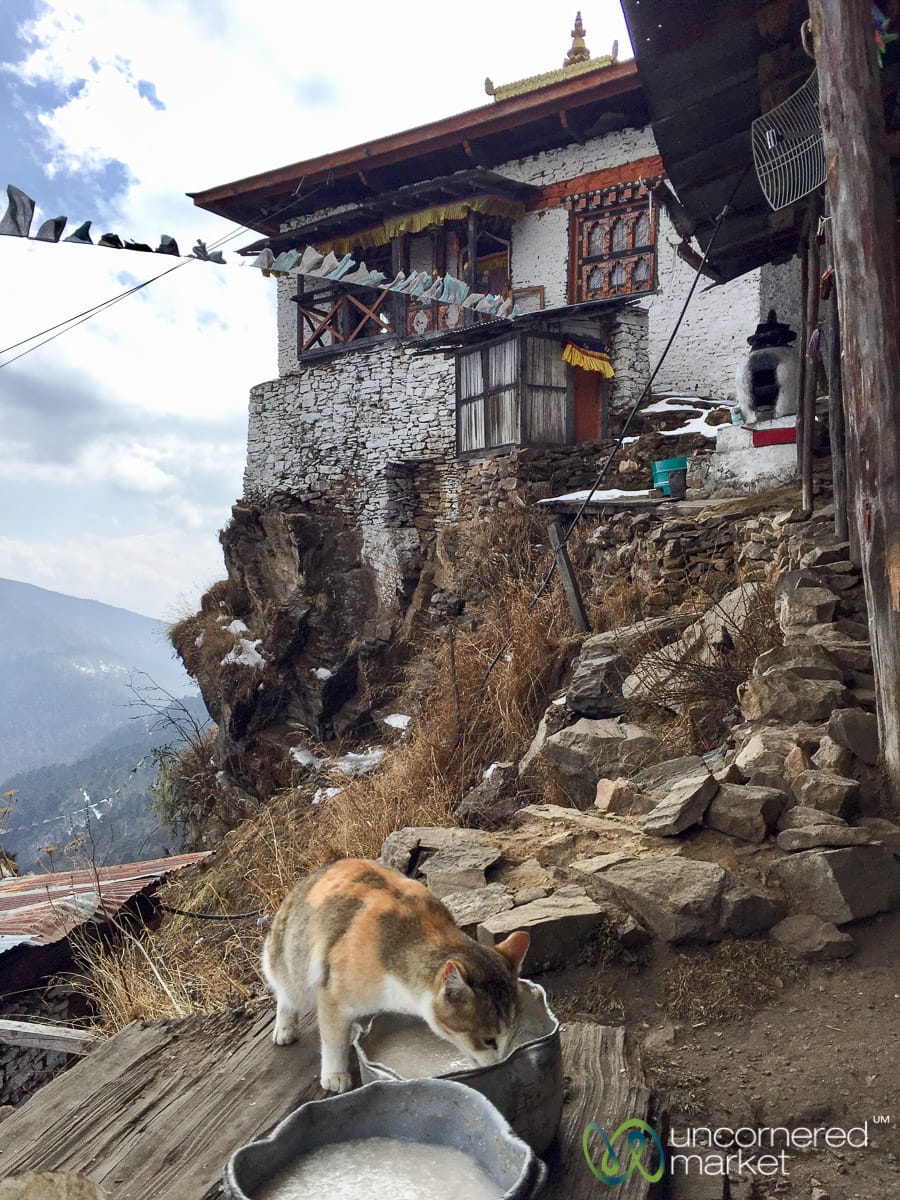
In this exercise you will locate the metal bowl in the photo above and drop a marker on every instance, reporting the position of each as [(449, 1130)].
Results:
[(435, 1111), (526, 1086)]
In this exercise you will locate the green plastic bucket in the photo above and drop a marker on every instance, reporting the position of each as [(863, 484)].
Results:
[(661, 469)]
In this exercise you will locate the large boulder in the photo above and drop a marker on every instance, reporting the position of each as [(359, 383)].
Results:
[(474, 905), (805, 606), (825, 790), (683, 807), (856, 731), (492, 802), (404, 848), (601, 666), (580, 754), (832, 757), (683, 900), (840, 885), (801, 817), (883, 830), (803, 658), (455, 868), (812, 938), (658, 779), (748, 813), (561, 927), (784, 695), (824, 835), (621, 797)]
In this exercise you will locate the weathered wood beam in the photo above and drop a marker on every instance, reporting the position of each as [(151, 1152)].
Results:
[(48, 1037), (836, 426), (863, 215), (570, 583), (807, 410)]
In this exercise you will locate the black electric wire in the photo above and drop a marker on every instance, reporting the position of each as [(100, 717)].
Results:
[(601, 474)]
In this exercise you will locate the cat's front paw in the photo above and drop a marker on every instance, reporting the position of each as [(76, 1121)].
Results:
[(284, 1033), (338, 1081)]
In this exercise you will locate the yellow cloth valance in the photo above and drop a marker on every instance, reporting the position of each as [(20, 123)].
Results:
[(589, 359), (415, 222)]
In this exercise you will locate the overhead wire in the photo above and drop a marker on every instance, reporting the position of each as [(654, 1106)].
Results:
[(86, 314), (601, 474)]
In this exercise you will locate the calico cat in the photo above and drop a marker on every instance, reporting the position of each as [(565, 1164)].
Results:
[(363, 939)]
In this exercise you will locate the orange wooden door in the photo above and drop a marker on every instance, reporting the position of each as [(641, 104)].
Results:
[(590, 393)]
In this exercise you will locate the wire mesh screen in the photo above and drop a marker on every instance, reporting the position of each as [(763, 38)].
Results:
[(787, 147)]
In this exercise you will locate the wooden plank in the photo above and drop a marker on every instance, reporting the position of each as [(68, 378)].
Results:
[(569, 582), (155, 1112), (48, 1037), (863, 220), (606, 1086)]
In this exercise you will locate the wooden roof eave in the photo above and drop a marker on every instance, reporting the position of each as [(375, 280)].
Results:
[(499, 117)]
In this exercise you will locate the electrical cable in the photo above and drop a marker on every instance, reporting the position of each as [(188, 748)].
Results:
[(183, 912), (545, 583), (86, 314)]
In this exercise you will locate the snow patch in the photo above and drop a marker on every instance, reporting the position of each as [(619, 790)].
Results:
[(359, 764), (398, 721), (236, 626), (697, 425), (245, 653), (305, 758), (321, 673), (609, 494), (321, 794)]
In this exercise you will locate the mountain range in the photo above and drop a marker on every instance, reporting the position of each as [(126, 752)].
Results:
[(76, 731)]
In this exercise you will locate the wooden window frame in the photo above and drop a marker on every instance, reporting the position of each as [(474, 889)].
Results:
[(522, 385), (623, 201)]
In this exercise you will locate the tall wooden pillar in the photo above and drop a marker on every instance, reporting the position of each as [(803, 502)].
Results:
[(863, 215)]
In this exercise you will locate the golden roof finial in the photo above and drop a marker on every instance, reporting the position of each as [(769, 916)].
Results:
[(579, 51)]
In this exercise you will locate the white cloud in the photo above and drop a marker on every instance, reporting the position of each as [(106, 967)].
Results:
[(135, 571), (148, 400)]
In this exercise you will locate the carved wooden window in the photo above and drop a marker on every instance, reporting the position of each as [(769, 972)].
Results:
[(613, 251)]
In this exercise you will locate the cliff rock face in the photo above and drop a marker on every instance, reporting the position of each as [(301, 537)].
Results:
[(286, 646)]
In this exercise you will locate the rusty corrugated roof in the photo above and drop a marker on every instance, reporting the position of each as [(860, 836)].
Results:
[(40, 909)]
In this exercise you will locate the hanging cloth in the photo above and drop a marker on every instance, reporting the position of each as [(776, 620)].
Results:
[(589, 355)]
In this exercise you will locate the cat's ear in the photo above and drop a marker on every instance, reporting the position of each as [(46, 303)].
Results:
[(454, 987), (514, 948)]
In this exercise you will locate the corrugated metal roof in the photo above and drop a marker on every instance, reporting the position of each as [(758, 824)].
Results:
[(40, 909)]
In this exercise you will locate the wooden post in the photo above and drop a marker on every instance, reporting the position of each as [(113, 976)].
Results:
[(836, 424), (569, 582), (472, 248), (863, 216), (48, 1037), (810, 371)]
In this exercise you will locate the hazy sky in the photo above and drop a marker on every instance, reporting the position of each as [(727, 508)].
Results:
[(122, 442)]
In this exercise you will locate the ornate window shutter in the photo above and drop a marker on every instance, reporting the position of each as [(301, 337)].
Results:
[(613, 242)]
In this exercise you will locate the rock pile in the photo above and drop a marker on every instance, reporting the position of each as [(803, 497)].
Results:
[(648, 848)]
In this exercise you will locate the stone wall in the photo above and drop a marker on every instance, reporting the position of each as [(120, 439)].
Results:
[(23, 1069), (370, 435)]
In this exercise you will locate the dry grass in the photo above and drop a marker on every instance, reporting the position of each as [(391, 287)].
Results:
[(695, 688), (469, 718), (730, 980), (144, 978)]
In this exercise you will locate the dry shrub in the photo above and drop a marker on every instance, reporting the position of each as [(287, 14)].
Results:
[(698, 686), (135, 977), (729, 980), (469, 718)]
